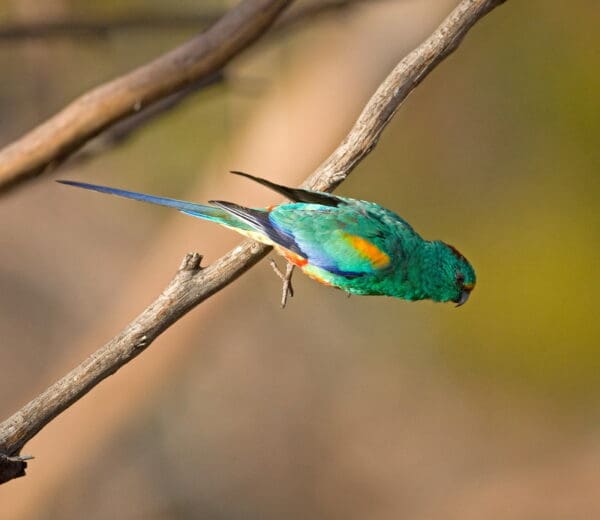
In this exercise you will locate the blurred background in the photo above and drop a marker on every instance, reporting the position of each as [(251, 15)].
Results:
[(333, 408)]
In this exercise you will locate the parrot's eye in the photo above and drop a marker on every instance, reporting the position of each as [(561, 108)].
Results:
[(460, 278)]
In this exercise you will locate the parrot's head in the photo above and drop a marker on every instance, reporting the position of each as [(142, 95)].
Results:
[(455, 275)]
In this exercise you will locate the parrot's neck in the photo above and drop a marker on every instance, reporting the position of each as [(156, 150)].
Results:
[(420, 274)]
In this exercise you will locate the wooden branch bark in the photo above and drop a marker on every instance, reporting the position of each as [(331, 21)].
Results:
[(121, 131), (193, 284), (59, 136)]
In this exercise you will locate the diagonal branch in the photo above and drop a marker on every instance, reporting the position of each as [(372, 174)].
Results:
[(120, 132), (87, 116), (193, 284)]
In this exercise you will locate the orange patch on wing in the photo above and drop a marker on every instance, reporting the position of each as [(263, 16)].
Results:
[(368, 250), (294, 258)]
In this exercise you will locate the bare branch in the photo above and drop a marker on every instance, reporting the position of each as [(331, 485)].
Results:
[(53, 141), (120, 132), (393, 91), (192, 284)]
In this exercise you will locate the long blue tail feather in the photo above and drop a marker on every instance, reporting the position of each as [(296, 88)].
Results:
[(189, 208)]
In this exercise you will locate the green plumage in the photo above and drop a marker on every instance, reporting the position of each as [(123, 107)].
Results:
[(417, 269)]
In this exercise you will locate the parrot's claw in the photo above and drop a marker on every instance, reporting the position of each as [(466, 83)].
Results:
[(287, 289)]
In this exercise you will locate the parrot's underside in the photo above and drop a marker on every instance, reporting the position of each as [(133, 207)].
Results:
[(354, 245)]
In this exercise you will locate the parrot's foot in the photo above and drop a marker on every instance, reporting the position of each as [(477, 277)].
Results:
[(287, 289)]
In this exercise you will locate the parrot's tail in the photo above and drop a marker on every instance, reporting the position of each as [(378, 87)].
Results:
[(212, 213)]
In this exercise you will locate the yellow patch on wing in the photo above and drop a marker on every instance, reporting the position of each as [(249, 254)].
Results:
[(368, 250), (316, 273), (254, 235)]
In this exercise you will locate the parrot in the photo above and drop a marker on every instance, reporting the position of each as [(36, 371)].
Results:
[(354, 245)]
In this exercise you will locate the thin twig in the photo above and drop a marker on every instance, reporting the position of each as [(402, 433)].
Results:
[(192, 284), (83, 28), (53, 141)]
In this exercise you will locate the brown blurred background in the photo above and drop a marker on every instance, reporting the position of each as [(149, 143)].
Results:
[(334, 408)]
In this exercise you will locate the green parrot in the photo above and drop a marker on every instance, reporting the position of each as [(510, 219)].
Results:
[(354, 245)]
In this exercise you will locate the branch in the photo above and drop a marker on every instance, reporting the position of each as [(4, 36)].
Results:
[(193, 284), (53, 141), (122, 131), (12, 467)]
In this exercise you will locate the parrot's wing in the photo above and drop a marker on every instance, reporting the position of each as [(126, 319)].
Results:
[(297, 194), (342, 241), (326, 237)]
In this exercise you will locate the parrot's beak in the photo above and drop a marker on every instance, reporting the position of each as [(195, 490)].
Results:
[(464, 296)]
